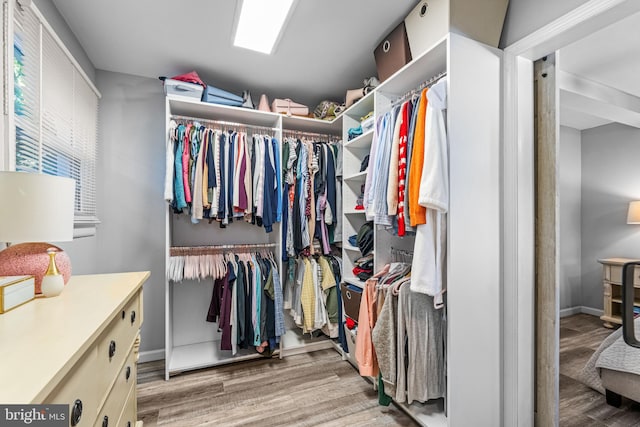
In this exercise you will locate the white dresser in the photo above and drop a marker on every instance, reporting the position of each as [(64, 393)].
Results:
[(79, 348)]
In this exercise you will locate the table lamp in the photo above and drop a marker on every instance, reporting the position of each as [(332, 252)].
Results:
[(633, 214), (34, 209)]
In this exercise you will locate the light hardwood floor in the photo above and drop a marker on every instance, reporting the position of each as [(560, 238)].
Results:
[(303, 390), (580, 336)]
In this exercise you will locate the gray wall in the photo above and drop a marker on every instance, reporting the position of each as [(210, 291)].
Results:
[(526, 16), (569, 181), (130, 176), (53, 17), (610, 180)]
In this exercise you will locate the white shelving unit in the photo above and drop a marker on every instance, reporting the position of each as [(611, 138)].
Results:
[(191, 342), (353, 182), (473, 120), (473, 270)]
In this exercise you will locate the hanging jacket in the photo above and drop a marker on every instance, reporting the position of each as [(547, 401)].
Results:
[(179, 185), (430, 243)]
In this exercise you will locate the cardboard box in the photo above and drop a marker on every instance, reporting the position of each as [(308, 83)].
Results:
[(351, 295), (392, 53), (431, 20)]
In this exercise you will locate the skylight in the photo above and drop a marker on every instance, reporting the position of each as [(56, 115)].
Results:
[(260, 24)]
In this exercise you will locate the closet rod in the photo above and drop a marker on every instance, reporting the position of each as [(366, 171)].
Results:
[(204, 250), (295, 133), (401, 255), (224, 123), (418, 89)]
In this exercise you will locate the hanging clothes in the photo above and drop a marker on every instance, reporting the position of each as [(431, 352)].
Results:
[(400, 338), (312, 205), (312, 294), (367, 316), (418, 212), (430, 244), (221, 175), (247, 296)]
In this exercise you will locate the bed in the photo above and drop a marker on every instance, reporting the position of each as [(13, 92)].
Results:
[(614, 369)]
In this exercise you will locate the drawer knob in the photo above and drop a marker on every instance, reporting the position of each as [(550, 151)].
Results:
[(112, 349), (128, 423), (123, 314), (105, 421), (133, 316), (127, 373), (76, 412)]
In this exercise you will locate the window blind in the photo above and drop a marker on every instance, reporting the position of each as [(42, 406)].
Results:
[(56, 111), (26, 66)]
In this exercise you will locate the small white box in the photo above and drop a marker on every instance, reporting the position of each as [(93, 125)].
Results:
[(180, 88), (350, 335), (15, 291), (427, 23), (431, 20)]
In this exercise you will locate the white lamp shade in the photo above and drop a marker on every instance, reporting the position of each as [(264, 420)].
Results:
[(36, 207), (633, 215)]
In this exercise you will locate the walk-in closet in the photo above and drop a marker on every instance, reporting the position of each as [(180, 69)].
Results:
[(297, 213), (404, 239)]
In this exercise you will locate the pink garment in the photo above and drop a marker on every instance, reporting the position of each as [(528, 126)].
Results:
[(367, 317), (185, 163)]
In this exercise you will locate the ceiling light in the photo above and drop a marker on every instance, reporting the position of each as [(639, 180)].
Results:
[(260, 24)]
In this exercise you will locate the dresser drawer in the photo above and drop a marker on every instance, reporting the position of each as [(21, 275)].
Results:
[(116, 399), (613, 274), (114, 344), (79, 391), (129, 413)]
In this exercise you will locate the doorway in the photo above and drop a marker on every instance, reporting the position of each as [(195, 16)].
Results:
[(598, 115), (520, 260)]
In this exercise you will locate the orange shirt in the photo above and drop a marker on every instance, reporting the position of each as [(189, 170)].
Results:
[(417, 213)]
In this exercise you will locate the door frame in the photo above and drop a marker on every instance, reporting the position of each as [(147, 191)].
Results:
[(518, 292)]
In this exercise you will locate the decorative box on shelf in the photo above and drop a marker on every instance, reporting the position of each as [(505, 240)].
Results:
[(15, 291)]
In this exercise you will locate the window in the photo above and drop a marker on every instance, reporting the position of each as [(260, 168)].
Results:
[(55, 110)]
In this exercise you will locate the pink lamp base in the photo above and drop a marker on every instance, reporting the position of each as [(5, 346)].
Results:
[(32, 259)]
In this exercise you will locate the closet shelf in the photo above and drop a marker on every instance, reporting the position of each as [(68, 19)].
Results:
[(361, 107), (362, 141), (429, 414), (205, 354), (348, 247), (360, 176), (293, 342), (354, 212), (197, 109), (306, 124), (430, 63), (182, 106), (352, 280)]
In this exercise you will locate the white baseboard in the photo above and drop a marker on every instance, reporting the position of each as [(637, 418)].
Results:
[(151, 356), (580, 309), (591, 311), (569, 311)]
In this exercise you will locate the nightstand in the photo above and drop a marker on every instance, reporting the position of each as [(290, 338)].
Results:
[(612, 288)]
